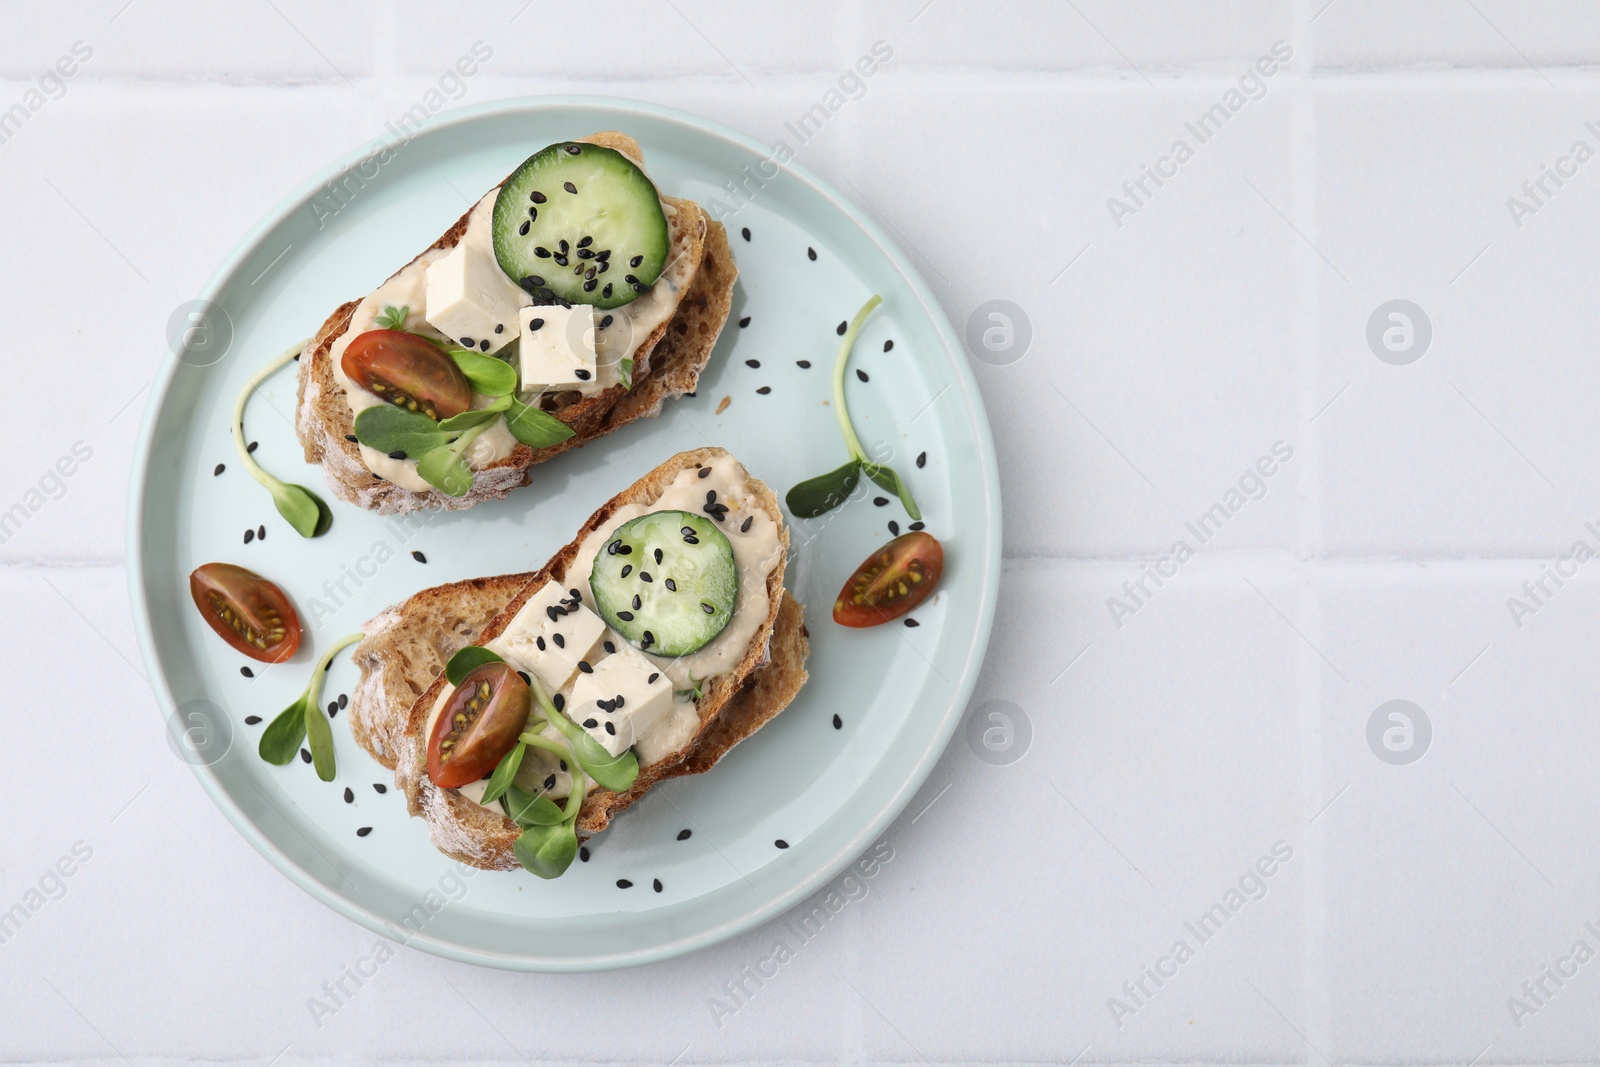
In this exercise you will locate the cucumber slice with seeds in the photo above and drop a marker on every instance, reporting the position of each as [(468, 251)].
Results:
[(666, 582), (581, 224)]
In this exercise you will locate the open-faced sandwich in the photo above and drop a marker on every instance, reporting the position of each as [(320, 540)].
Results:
[(520, 713), (571, 299)]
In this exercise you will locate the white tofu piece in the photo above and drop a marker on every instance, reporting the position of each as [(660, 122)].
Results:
[(557, 348), (469, 298), (548, 636), (624, 697)]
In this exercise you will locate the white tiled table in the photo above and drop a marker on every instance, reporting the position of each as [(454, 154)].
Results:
[(1225, 714)]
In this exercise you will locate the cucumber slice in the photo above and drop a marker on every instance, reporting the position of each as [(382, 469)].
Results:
[(666, 582), (582, 224)]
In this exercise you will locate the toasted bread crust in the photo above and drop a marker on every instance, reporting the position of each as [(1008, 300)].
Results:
[(732, 706), (667, 363)]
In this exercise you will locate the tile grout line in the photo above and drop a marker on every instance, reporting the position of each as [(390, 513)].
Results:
[(1316, 1011)]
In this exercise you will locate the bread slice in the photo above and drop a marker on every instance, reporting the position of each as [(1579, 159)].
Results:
[(667, 364), (404, 652)]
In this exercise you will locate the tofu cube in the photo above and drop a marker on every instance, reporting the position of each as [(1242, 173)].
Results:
[(471, 301), (558, 348), (549, 635), (623, 698)]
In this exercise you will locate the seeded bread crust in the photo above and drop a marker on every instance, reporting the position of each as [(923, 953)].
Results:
[(666, 364), (732, 706)]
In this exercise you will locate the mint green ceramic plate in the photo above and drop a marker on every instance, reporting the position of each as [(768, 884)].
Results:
[(825, 791)]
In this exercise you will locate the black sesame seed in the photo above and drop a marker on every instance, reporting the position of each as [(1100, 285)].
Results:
[(588, 287), (397, 454), (585, 242), (764, 390), (261, 532), (583, 854), (840, 329), (542, 252), (745, 233), (691, 540), (627, 569), (922, 459), (656, 884), (672, 586), (333, 708), (583, 665), (467, 342), (380, 787), (550, 781), (606, 292), (894, 528), (559, 702), (537, 197), (880, 501), (483, 346), (581, 374), (344, 701), (349, 437), (862, 374), (573, 149), (707, 608), (631, 280), (590, 724), (249, 535), (744, 527), (418, 556), (711, 496), (560, 260), (563, 766), (623, 883), (683, 835), (247, 672), (634, 262), (611, 549), (652, 679), (535, 324), (625, 616), (609, 647), (639, 288), (636, 602), (540, 642), (913, 623), (349, 795), (524, 676), (219, 469), (305, 757), (658, 555), (781, 843), (649, 639), (251, 720), (569, 187), (500, 328), (687, 531), (606, 321), (887, 345), (752, 363), (705, 472), (561, 642), (253, 446), (803, 364), (915, 526), (811, 254), (611, 728), (744, 322), (644, 576), (525, 227), (838, 723), (364, 831)]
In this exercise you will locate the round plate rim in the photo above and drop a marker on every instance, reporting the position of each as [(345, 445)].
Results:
[(821, 873)]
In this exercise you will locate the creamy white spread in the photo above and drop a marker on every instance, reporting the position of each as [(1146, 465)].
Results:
[(756, 551), (631, 325)]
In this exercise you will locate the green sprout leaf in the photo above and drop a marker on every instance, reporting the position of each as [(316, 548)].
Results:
[(615, 773), (438, 447), (303, 509), (391, 429), (627, 373), (280, 741), (532, 809), (393, 318), (500, 780), (446, 471), (885, 477), (535, 428), (816, 496), (822, 494), (547, 851), (487, 375), (320, 733), (466, 661)]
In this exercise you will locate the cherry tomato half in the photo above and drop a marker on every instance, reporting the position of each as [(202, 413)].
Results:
[(247, 611), (892, 581), (409, 372), (478, 726)]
